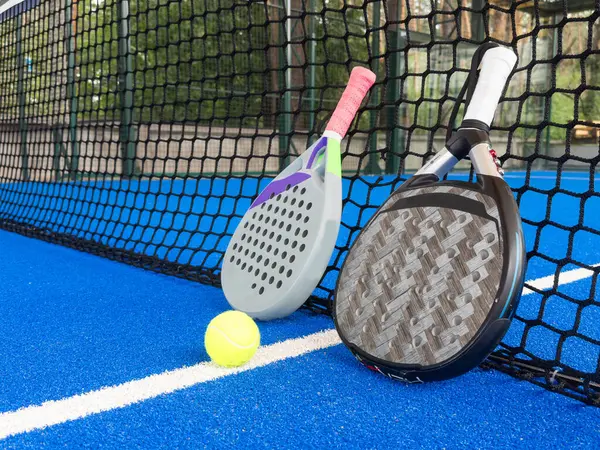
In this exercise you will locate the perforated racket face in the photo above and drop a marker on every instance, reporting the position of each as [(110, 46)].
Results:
[(421, 280), (282, 246)]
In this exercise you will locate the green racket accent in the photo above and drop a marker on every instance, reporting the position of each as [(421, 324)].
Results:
[(334, 160), (320, 158)]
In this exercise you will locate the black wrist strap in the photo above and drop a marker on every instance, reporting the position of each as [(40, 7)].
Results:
[(469, 87)]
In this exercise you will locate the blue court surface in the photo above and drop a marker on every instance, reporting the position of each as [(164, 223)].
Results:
[(98, 354)]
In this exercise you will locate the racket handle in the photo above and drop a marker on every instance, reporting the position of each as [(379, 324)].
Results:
[(495, 68), (361, 80)]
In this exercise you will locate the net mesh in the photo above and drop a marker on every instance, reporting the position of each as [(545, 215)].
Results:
[(141, 131)]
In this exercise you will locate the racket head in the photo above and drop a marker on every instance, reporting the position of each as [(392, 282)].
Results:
[(429, 288), (282, 245)]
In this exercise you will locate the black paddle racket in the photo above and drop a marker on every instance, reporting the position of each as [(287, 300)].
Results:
[(430, 285)]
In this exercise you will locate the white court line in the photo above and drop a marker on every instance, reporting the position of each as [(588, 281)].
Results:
[(122, 395), (68, 409), (563, 278)]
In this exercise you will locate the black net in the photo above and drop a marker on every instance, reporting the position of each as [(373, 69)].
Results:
[(141, 131)]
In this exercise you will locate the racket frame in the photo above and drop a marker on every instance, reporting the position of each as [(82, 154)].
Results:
[(495, 64)]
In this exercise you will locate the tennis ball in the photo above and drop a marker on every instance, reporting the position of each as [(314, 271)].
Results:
[(231, 339)]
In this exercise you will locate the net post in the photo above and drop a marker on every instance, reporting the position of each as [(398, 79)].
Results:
[(22, 97), (548, 100), (396, 45), (312, 76), (57, 139), (70, 34), (477, 24), (126, 132), (285, 123), (373, 161)]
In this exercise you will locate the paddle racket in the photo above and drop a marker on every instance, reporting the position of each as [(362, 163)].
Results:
[(282, 245), (430, 285)]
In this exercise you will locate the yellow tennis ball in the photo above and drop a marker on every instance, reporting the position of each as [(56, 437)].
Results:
[(231, 339)]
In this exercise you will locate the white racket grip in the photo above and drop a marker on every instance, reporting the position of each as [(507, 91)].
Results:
[(496, 66), (361, 80)]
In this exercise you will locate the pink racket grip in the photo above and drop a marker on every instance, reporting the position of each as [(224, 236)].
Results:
[(361, 80)]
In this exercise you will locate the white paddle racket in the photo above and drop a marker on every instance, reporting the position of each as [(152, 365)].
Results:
[(283, 244)]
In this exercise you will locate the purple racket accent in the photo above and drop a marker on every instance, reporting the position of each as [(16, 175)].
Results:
[(278, 186), (320, 145)]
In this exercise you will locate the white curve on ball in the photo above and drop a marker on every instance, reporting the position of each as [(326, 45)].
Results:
[(228, 339)]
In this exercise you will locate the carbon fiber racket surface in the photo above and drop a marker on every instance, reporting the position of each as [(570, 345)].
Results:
[(419, 282)]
